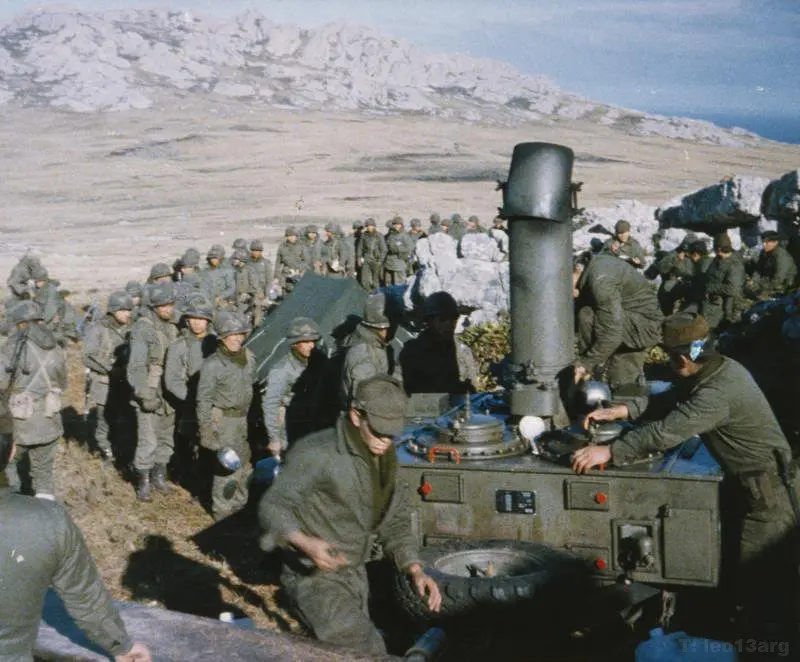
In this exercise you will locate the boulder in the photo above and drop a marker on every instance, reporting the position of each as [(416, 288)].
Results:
[(479, 246), (781, 199), (734, 202)]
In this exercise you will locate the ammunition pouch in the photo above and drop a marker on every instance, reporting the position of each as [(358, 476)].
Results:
[(760, 491), (21, 405)]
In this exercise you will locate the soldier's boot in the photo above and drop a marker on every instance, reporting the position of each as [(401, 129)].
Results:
[(158, 478), (143, 485)]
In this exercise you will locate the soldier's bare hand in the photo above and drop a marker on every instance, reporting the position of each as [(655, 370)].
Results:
[(613, 413), (427, 588), (137, 653), (590, 457), (324, 555), (581, 374)]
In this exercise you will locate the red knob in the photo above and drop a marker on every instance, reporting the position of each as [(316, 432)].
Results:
[(425, 489), (600, 497), (600, 564)]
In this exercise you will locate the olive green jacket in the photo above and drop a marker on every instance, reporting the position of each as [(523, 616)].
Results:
[(290, 260), (724, 290), (367, 356), (628, 250), (150, 338), (399, 248), (325, 490), (185, 357), (105, 353), (724, 406), (278, 396), (775, 272), (41, 547)]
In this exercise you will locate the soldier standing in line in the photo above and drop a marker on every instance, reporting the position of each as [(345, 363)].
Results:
[(775, 271), (217, 278), (20, 280), (399, 249), (435, 221), (262, 268), (151, 336), (290, 396), (436, 361), (355, 238), (369, 352), (415, 233), (224, 395), (312, 249), (184, 357), (722, 300), (246, 288), (331, 253), (134, 290), (457, 227), (290, 262), (347, 252), (624, 246), (474, 226), (190, 286), (46, 295), (33, 376), (370, 256), (105, 355), (239, 244)]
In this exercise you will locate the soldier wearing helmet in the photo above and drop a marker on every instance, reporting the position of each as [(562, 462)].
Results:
[(370, 256), (624, 246), (290, 262), (312, 249), (369, 351), (290, 397), (33, 376), (262, 269), (435, 221), (224, 395), (399, 251), (105, 355), (246, 288), (190, 285), (457, 227), (217, 277), (45, 293), (20, 280), (151, 335), (331, 252), (185, 356), (436, 361)]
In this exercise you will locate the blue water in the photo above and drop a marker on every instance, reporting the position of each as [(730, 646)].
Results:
[(783, 128)]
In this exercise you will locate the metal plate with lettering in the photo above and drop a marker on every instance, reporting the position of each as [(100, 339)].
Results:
[(515, 502)]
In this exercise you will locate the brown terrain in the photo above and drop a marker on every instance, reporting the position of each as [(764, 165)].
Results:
[(102, 197)]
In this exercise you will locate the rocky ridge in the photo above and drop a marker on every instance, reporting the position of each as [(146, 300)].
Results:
[(132, 59)]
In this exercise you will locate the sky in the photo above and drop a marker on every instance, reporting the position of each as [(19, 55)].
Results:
[(736, 62)]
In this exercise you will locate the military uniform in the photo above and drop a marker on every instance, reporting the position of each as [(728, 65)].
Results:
[(41, 547), (312, 250), (618, 319), (261, 268), (430, 365), (724, 290), (151, 336), (371, 254), (399, 249), (289, 264), (630, 250), (105, 355), (774, 274), (19, 280), (332, 257), (34, 391), (347, 252), (676, 274), (457, 228), (224, 395), (723, 404), (331, 487)]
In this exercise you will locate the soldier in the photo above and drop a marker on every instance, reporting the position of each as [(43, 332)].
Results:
[(474, 226), (160, 272), (399, 249), (715, 397), (436, 361), (347, 251), (369, 352), (181, 371), (358, 228), (722, 301), (224, 395), (415, 233), (618, 319), (312, 249), (33, 376), (444, 226), (370, 256), (457, 227), (151, 336), (290, 262), (41, 547), (46, 295), (676, 270), (695, 292), (331, 253), (190, 285), (20, 280), (261, 266), (134, 291), (775, 271), (105, 355), (290, 394), (336, 493), (240, 244), (247, 293), (624, 246), (500, 234), (434, 226), (218, 281)]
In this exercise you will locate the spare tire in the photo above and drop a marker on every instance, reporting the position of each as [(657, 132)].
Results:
[(482, 579)]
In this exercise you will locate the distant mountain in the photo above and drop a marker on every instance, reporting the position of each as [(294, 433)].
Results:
[(126, 59)]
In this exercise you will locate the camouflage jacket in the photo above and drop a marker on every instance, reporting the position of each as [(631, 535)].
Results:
[(432, 366), (371, 248), (150, 338), (399, 249), (35, 387), (367, 356), (185, 357), (41, 547), (224, 389), (105, 353), (289, 260), (326, 489), (722, 404), (615, 290)]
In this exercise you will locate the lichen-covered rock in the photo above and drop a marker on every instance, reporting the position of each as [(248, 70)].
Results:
[(479, 246)]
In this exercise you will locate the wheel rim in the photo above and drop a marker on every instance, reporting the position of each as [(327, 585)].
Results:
[(487, 563)]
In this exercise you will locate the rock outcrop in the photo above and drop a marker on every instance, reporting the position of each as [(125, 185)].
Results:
[(129, 59)]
